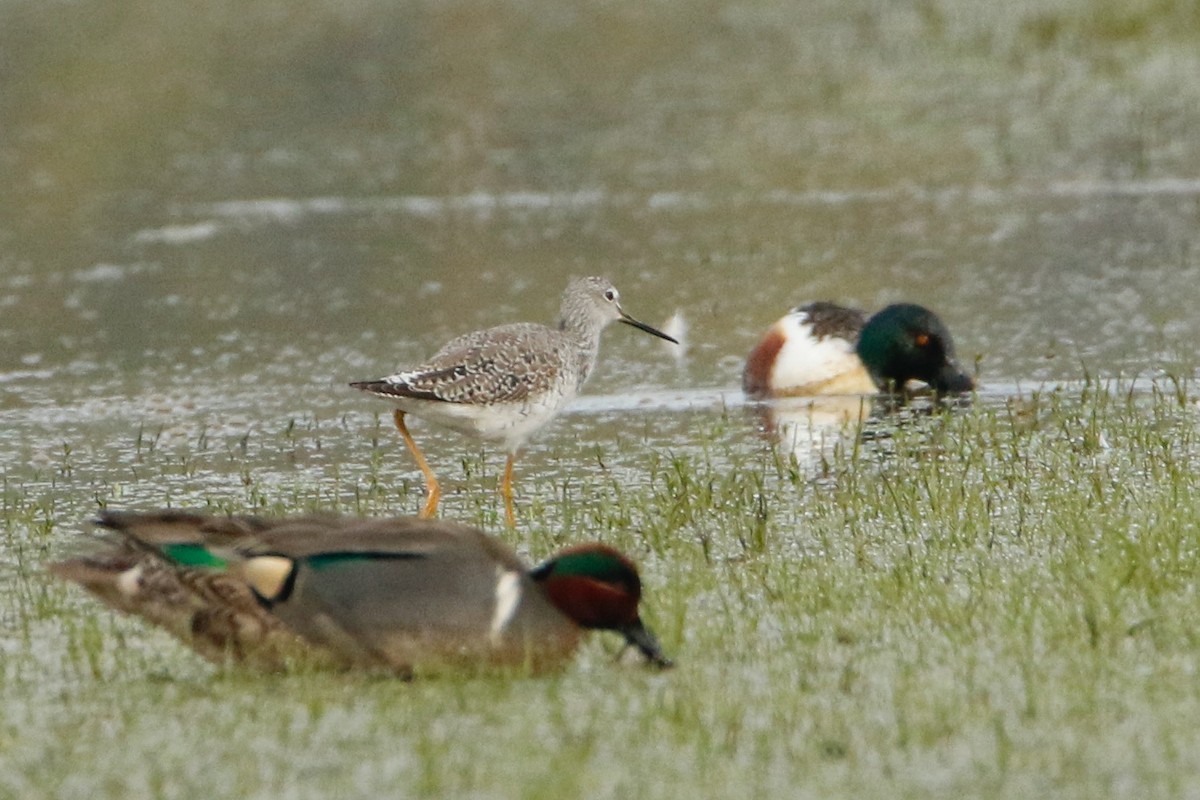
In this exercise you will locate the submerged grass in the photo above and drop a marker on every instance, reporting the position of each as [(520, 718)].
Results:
[(993, 602)]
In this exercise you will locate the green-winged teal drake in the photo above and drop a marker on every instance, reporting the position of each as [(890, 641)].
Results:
[(824, 348), (502, 384), (407, 595)]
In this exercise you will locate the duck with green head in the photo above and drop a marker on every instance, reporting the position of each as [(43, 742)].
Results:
[(408, 595), (826, 349)]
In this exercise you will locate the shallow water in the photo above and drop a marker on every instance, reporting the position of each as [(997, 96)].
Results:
[(209, 230), (293, 197)]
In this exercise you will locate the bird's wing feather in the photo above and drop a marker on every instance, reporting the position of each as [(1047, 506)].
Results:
[(507, 364)]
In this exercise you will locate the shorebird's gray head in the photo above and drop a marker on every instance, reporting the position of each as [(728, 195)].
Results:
[(590, 304)]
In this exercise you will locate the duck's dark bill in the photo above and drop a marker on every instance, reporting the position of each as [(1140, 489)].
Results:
[(952, 380), (640, 637)]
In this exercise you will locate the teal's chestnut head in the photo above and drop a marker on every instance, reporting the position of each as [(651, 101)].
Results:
[(598, 588)]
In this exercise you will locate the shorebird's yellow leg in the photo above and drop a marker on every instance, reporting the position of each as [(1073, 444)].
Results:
[(433, 492), (506, 490)]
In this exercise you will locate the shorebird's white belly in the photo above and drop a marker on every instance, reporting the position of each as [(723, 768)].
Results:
[(509, 424)]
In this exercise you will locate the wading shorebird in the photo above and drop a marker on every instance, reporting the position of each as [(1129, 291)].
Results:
[(824, 349), (405, 595), (502, 384)]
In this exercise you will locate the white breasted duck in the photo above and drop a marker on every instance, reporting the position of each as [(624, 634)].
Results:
[(823, 348), (406, 595)]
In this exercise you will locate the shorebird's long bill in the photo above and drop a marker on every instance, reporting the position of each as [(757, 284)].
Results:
[(640, 637), (641, 326)]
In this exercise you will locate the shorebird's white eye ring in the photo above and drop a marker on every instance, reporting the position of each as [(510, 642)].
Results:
[(610, 295)]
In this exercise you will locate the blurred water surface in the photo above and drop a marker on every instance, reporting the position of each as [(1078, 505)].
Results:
[(226, 212)]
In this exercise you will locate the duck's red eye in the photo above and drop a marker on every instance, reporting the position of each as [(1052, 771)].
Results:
[(922, 339)]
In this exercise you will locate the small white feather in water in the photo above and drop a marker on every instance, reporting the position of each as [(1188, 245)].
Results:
[(676, 327)]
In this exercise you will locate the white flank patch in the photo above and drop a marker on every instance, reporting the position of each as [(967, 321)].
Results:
[(508, 597), (129, 582), (805, 360)]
